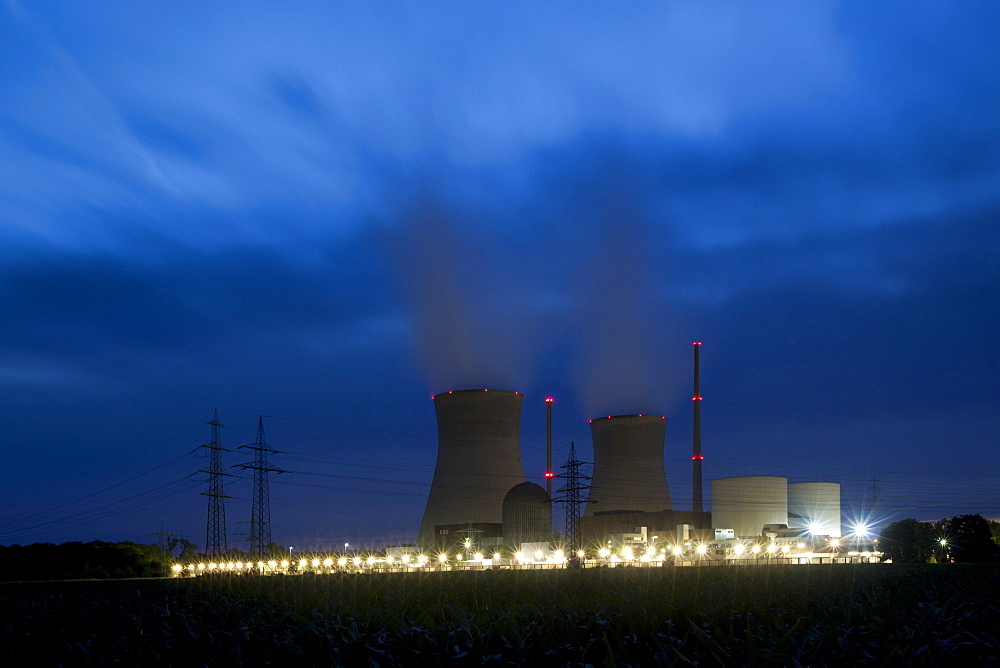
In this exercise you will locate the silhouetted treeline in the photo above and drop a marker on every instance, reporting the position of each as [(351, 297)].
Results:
[(97, 559)]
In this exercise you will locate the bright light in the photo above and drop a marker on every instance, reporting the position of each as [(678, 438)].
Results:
[(627, 554), (678, 550), (943, 542), (496, 556), (239, 564), (477, 557), (558, 555), (814, 529), (605, 553), (785, 548), (329, 562), (539, 556), (284, 563), (650, 550), (388, 560), (800, 545), (371, 560), (212, 567), (315, 562), (701, 549), (357, 561), (739, 549), (342, 561), (772, 547), (861, 530), (272, 564), (755, 549), (834, 542), (442, 558), (581, 554), (201, 567), (406, 558), (422, 558), (519, 556), (176, 568)]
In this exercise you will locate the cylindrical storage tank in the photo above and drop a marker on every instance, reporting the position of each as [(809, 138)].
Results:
[(628, 465), (478, 458), (527, 515), (746, 503), (814, 507)]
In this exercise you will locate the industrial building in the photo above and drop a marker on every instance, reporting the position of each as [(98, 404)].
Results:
[(478, 462), (479, 493)]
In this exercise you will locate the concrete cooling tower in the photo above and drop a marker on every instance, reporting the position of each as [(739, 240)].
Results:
[(478, 458), (527, 515), (814, 507), (746, 503), (628, 465)]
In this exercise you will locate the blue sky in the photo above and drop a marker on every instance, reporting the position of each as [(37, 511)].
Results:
[(325, 213)]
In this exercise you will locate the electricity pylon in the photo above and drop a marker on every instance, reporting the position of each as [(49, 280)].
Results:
[(215, 537), (260, 512), (573, 493)]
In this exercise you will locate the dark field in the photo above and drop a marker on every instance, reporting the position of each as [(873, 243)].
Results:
[(792, 615)]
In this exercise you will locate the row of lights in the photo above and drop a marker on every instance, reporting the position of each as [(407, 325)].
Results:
[(627, 554)]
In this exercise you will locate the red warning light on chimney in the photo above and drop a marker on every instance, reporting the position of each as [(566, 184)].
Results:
[(549, 400), (696, 457), (550, 474)]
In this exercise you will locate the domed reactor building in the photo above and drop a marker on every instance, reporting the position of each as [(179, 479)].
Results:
[(478, 462)]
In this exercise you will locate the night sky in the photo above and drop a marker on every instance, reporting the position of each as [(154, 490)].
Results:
[(325, 213)]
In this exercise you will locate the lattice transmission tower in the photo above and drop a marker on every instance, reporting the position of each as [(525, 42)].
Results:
[(260, 512), (215, 536), (574, 492)]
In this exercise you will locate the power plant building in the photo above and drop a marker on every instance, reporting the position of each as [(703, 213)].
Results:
[(746, 504), (629, 476), (478, 459), (527, 515), (814, 507)]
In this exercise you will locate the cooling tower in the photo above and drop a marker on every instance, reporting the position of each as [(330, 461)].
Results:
[(527, 515), (746, 503), (478, 458), (814, 507), (628, 465)]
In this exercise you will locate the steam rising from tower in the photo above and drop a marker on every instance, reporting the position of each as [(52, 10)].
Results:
[(478, 460), (628, 464)]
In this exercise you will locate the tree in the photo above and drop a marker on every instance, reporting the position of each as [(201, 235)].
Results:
[(995, 530), (908, 540), (970, 539)]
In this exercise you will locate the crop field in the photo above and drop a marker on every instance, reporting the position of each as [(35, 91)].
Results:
[(789, 615)]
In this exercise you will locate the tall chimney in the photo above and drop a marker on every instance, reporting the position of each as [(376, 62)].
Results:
[(696, 458), (548, 447)]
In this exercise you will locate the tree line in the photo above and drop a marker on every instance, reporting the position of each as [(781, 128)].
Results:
[(959, 539)]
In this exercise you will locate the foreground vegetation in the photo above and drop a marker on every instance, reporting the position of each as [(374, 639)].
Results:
[(794, 615)]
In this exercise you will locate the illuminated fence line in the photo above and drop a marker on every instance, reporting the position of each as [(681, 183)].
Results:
[(703, 554)]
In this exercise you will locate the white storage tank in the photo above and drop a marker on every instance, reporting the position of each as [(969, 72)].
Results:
[(815, 507), (746, 503)]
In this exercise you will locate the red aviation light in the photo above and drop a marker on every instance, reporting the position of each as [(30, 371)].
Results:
[(550, 474), (696, 457), (696, 343), (549, 400), (696, 398)]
